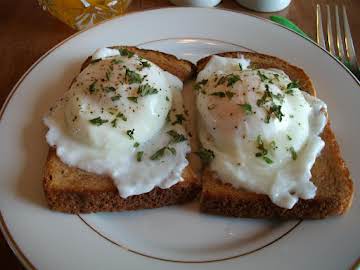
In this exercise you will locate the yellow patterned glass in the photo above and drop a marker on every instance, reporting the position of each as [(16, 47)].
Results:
[(80, 14)]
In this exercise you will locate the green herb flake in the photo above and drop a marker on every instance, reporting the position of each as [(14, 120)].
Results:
[(293, 153), (126, 52), (167, 98), (114, 98), (144, 64), (109, 89), (222, 80), (267, 160), (92, 87), (273, 145), (262, 150), (232, 79), (121, 116), (108, 74), (161, 152), (247, 108), (290, 92), (218, 94), (139, 155), (240, 67), (133, 77), (114, 122), (146, 89), (293, 84), (197, 86), (179, 119), (288, 136), (229, 94), (130, 133), (136, 144), (133, 99), (262, 76), (206, 155), (98, 121), (176, 137)]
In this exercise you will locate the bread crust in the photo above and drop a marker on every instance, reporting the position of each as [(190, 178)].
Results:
[(71, 190), (329, 173)]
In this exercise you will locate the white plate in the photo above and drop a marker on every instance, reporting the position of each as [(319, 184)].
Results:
[(176, 237)]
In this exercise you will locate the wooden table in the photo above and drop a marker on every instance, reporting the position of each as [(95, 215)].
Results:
[(27, 32)]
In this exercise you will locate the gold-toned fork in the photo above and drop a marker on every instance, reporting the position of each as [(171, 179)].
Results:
[(349, 59)]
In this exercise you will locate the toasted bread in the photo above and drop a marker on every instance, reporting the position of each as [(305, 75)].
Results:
[(71, 190), (329, 173)]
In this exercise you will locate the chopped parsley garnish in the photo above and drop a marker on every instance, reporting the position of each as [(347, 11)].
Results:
[(133, 77), (144, 64), (139, 155), (293, 84), (98, 121), (114, 122), (247, 108), (114, 98), (121, 116), (232, 79), (176, 137), (108, 89), (274, 109), (293, 153), (229, 94), (273, 145), (92, 87), (160, 153), (126, 52), (130, 133), (262, 76), (198, 85), (262, 150), (167, 98), (289, 138), (179, 119), (117, 61), (206, 155), (95, 61), (276, 76), (136, 144), (146, 89), (218, 94), (108, 74), (240, 67), (221, 81), (289, 91), (133, 99)]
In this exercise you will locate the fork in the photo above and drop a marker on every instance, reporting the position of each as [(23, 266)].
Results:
[(350, 58)]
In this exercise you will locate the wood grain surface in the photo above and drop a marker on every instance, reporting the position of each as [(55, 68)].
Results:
[(27, 32)]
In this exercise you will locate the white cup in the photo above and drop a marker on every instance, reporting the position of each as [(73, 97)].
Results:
[(196, 3), (265, 5)]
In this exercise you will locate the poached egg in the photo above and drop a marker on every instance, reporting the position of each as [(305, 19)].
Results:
[(123, 117), (261, 128)]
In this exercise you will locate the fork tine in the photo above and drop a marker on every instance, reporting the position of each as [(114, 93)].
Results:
[(349, 44), (339, 38), (319, 28), (330, 39)]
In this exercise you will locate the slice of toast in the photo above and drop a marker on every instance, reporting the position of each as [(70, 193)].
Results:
[(72, 190), (329, 173)]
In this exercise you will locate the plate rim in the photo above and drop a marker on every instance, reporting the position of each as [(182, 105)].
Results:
[(3, 226)]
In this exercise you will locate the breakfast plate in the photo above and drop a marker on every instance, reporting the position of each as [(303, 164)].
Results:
[(176, 237)]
